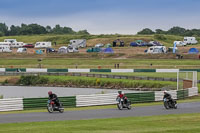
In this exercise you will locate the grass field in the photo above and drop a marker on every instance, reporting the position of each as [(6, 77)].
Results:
[(94, 63), (184, 123)]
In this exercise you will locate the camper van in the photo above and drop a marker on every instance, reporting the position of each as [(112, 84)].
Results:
[(78, 43), (156, 50), (190, 40), (5, 47), (180, 43), (43, 45)]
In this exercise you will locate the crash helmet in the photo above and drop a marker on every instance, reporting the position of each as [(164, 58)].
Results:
[(120, 92), (50, 92), (165, 92)]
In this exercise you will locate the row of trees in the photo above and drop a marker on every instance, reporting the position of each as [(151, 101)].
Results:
[(35, 29), (173, 31)]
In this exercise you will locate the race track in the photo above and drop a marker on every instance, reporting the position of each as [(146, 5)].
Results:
[(100, 113)]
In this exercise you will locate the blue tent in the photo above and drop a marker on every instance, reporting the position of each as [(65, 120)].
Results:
[(193, 51), (108, 50)]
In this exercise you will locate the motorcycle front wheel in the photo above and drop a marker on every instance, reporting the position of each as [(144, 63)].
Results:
[(166, 105), (50, 108), (129, 106), (119, 105)]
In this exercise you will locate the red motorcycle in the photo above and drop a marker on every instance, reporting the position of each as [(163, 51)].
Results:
[(51, 107)]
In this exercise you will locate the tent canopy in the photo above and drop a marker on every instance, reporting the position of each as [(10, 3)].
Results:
[(193, 51), (108, 50)]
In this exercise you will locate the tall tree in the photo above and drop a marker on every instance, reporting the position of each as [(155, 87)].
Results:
[(3, 29)]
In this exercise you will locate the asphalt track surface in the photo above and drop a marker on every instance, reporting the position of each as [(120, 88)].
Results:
[(100, 113)]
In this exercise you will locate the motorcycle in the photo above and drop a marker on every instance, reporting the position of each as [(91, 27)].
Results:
[(51, 107), (170, 104), (121, 103)]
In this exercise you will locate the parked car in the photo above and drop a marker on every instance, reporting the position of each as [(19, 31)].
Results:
[(28, 46), (21, 50), (134, 44), (99, 45), (50, 50)]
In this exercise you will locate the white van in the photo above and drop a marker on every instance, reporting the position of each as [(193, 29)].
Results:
[(78, 43), (190, 40), (156, 50), (72, 49), (180, 43), (5, 47), (21, 50), (43, 45)]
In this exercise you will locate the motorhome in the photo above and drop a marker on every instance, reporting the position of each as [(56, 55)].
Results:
[(190, 40), (5, 47), (157, 50), (78, 43), (179, 43), (43, 45)]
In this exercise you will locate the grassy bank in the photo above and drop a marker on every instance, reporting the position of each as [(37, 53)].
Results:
[(92, 39), (94, 63), (184, 123)]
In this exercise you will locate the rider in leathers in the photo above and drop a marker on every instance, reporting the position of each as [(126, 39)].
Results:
[(54, 98)]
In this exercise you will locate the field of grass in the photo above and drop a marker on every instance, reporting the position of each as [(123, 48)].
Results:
[(94, 39), (94, 63), (184, 123)]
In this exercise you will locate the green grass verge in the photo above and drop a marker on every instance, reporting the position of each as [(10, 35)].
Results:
[(94, 63), (182, 123)]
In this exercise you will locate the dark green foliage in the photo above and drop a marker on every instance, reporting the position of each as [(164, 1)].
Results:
[(146, 31), (173, 31), (35, 29)]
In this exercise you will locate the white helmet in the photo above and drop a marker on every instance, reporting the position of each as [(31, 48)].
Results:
[(165, 91)]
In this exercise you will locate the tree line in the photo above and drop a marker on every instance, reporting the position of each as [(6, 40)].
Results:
[(36, 29), (173, 31)]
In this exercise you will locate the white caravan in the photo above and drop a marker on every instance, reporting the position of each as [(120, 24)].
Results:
[(78, 43), (180, 43), (14, 43), (17, 45), (43, 45), (5, 47), (156, 50), (190, 40)]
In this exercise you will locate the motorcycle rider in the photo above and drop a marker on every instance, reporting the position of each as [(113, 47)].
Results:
[(122, 96), (54, 98), (168, 96)]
